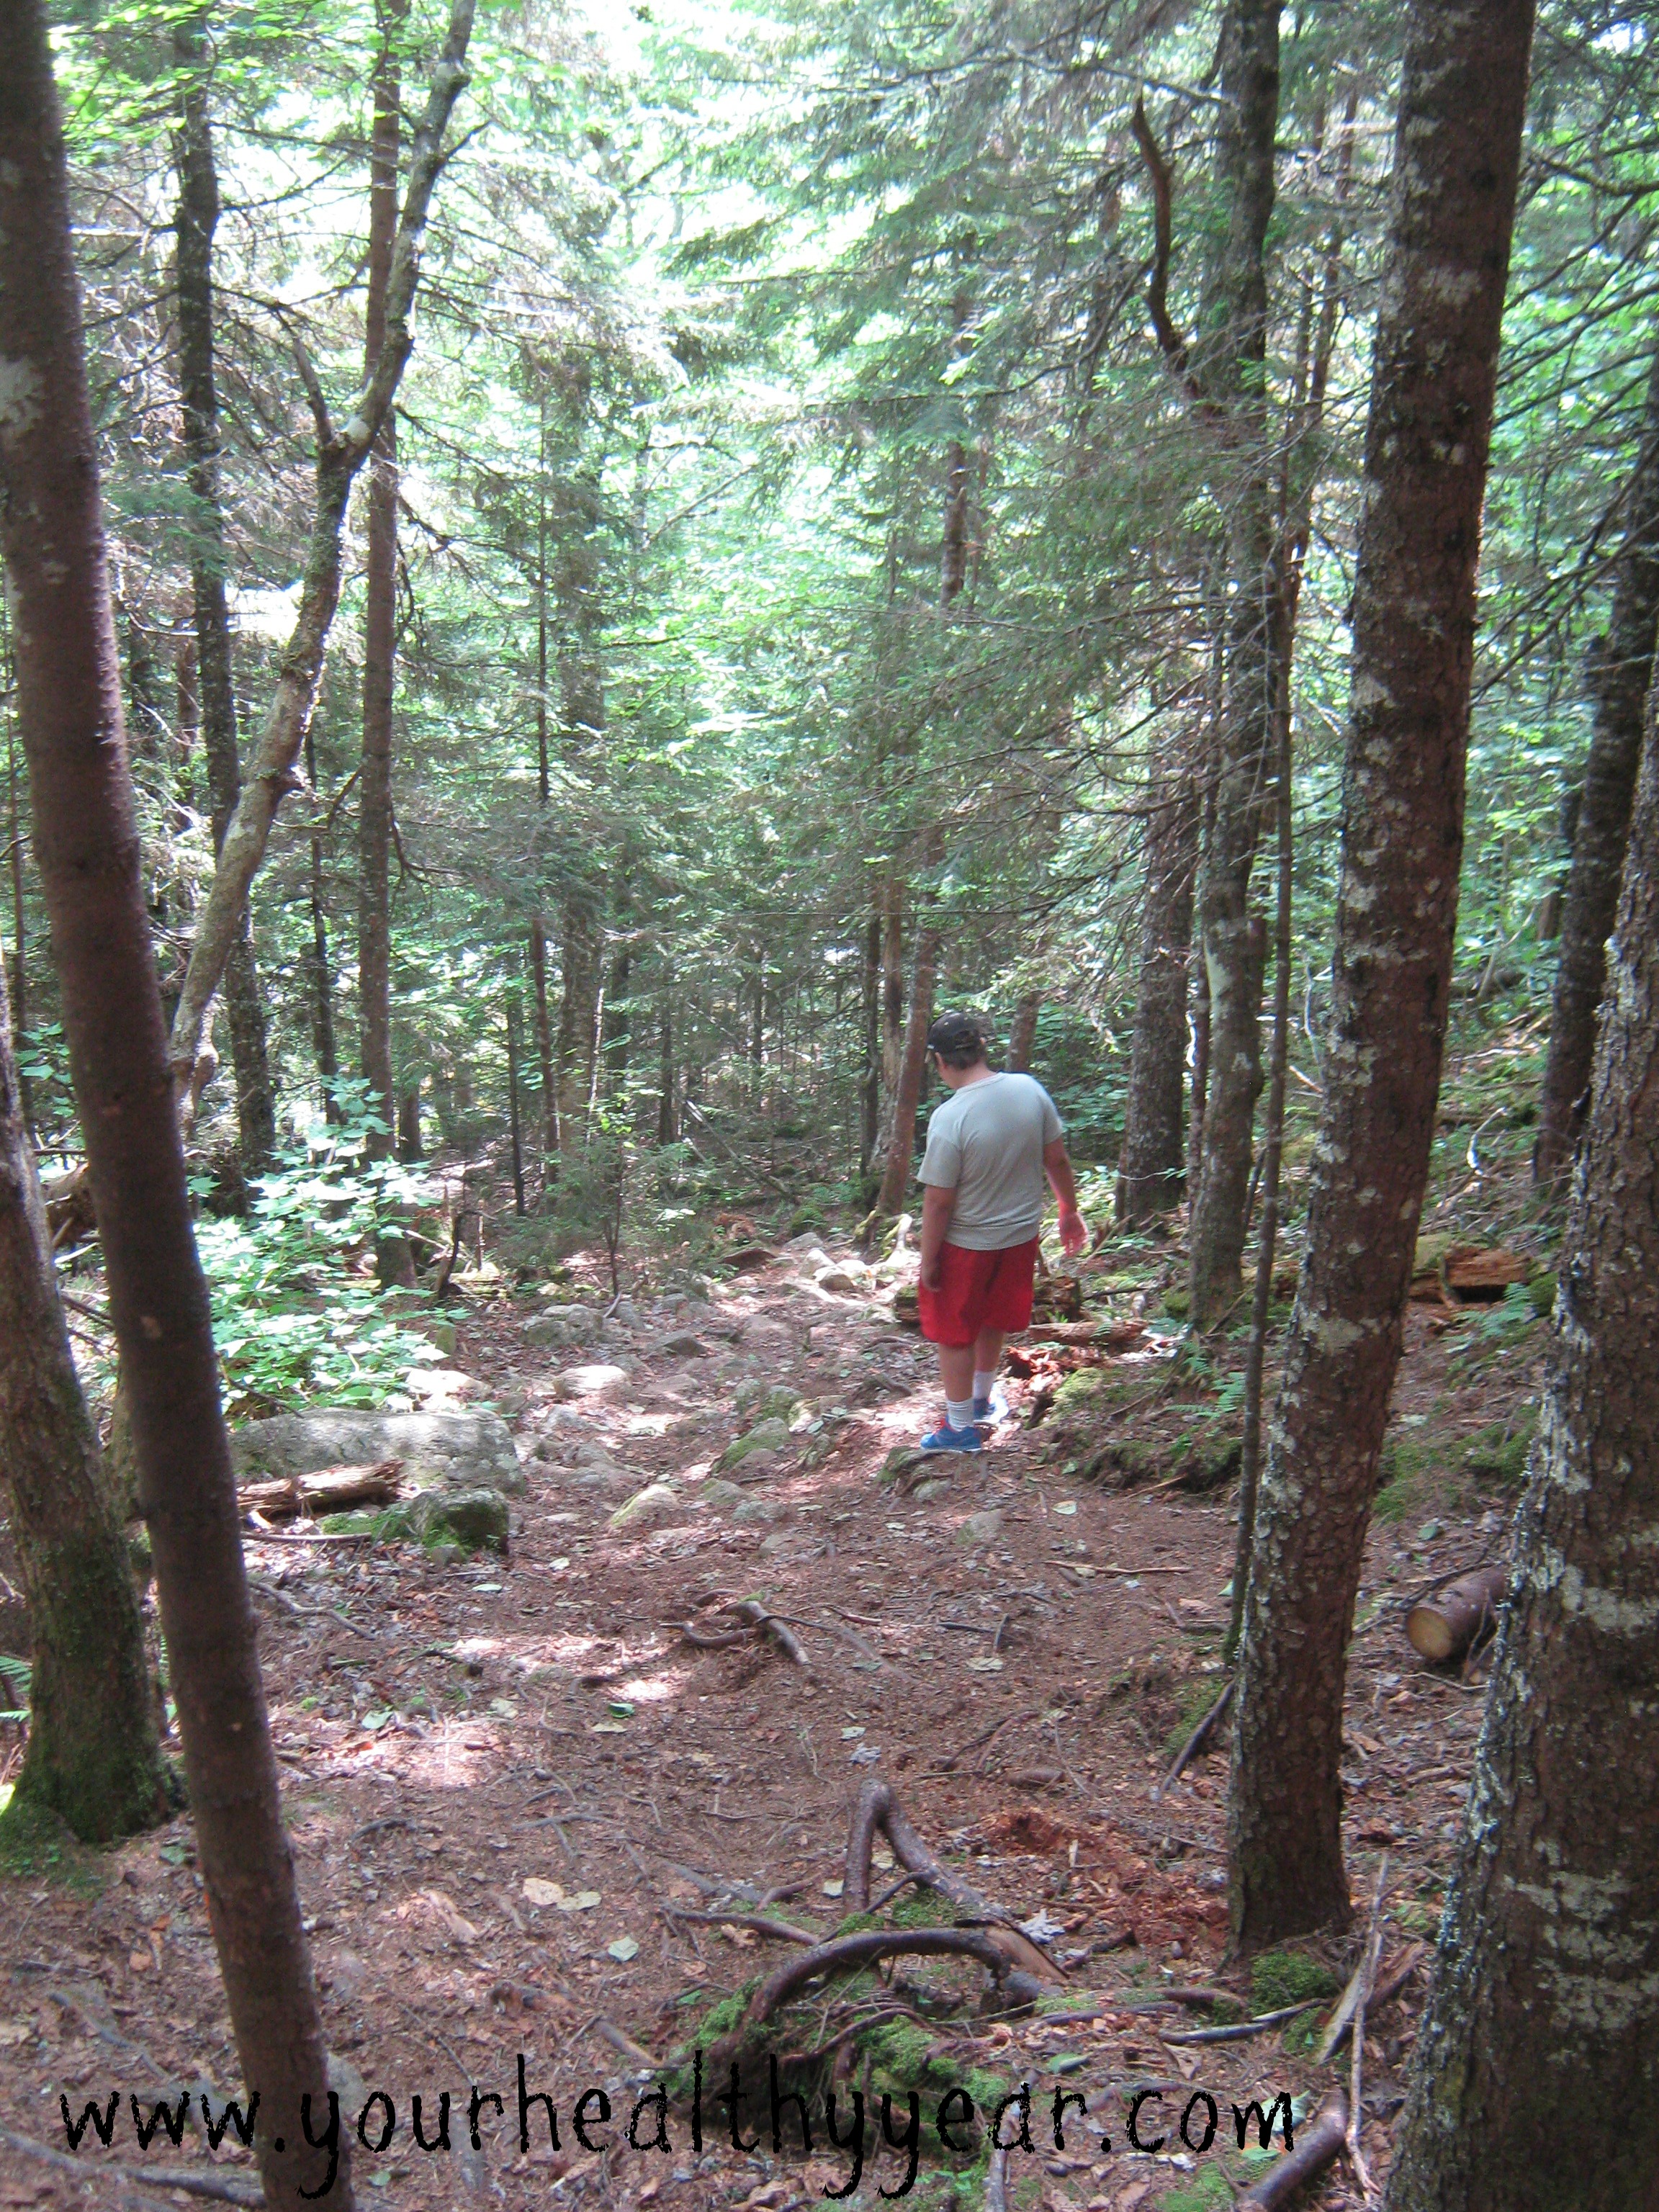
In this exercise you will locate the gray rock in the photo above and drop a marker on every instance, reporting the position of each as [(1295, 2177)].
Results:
[(654, 1503), (684, 1347), (473, 1519), (441, 1335), (936, 1488), (841, 1280), (458, 1451), (563, 1325), (599, 1381), (756, 1509), (981, 1527), (766, 1436), (760, 1400), (722, 1496)]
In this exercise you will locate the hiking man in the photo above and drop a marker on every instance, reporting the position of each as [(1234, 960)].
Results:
[(989, 1146)]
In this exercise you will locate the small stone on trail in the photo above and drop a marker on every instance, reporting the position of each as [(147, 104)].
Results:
[(684, 1346), (650, 1504), (597, 1381), (980, 1528), (771, 1435)]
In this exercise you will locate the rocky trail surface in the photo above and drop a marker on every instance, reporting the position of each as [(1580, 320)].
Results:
[(534, 1815)]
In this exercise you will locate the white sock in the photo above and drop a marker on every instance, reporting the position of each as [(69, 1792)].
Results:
[(985, 1381), (959, 1413)]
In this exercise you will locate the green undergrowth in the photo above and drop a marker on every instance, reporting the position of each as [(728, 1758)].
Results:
[(1195, 1697), (1278, 1978), (36, 1845), (1419, 1471), (1207, 2190)]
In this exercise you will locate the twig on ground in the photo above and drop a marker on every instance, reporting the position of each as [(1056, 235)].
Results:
[(984, 1738), (1385, 1992), (1199, 1736), (223, 2189), (1368, 1963), (783, 1930), (1242, 2030)]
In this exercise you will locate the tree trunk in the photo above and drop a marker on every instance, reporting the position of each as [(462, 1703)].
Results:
[(394, 1260), (1149, 1176), (907, 1095), (668, 1125), (580, 952), (1230, 363), (197, 220), (870, 1082), (1622, 670), (1298, 476), (20, 966), (544, 1049), (322, 978), (93, 1754), (379, 614), (1456, 154), (514, 1129), (1547, 1998), (409, 1125), (88, 848), (340, 454), (1022, 1035)]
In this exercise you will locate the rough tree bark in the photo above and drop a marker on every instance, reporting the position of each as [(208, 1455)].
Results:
[(1621, 672), (1230, 367), (579, 959), (93, 1757), (1298, 476), (1150, 1168), (1022, 1035), (322, 973), (545, 1048), (87, 849), (197, 221), (870, 1081), (1456, 157), (379, 607), (899, 1164), (340, 454), (394, 1260), (1547, 1998)]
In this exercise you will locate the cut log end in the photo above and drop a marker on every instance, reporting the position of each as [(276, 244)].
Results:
[(1443, 1625)]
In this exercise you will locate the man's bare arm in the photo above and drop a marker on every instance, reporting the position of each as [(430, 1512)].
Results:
[(937, 1205), (1057, 1166)]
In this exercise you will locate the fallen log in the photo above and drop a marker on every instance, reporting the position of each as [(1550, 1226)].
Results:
[(1316, 2146), (326, 1491), (1443, 1625)]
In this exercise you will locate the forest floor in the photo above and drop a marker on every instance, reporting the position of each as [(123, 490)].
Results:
[(504, 1778)]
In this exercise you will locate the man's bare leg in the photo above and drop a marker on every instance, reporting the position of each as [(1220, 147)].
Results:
[(956, 1370), (988, 1351)]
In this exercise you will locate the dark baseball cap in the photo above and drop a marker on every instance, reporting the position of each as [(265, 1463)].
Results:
[(958, 1039)]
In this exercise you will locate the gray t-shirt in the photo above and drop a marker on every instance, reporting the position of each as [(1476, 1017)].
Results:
[(985, 1142)]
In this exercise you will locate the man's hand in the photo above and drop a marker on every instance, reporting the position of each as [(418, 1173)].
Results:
[(932, 1271), (1073, 1231)]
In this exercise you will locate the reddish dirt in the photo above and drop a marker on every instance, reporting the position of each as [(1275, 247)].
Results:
[(449, 1733)]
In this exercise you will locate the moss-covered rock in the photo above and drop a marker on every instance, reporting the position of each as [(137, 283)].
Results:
[(1278, 1978)]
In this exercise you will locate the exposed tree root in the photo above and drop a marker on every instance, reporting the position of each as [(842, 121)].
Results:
[(758, 1622), (877, 1807), (1316, 2146)]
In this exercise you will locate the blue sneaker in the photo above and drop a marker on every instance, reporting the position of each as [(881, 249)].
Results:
[(991, 1410), (946, 1438)]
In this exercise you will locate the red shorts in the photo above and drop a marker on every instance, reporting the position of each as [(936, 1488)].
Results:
[(976, 1291)]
